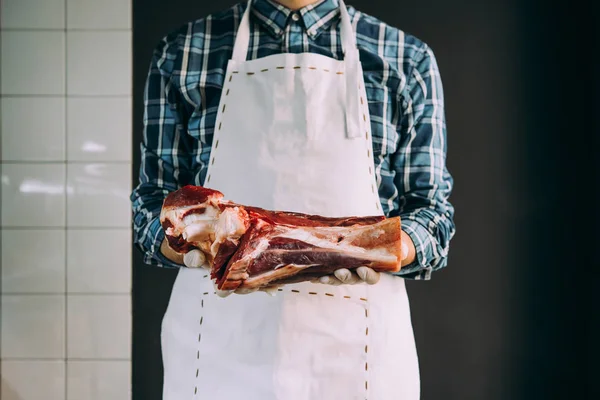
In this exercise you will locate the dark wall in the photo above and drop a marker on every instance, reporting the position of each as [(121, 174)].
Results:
[(515, 314)]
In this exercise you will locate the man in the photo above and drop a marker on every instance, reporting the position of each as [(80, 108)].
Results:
[(302, 106)]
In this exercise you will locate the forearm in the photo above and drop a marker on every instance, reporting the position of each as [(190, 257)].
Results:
[(166, 162), (430, 231), (148, 233)]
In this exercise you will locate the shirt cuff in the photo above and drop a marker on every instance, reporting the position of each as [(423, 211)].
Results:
[(422, 239), (155, 256)]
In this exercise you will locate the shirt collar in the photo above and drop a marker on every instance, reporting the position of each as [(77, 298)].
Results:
[(316, 17)]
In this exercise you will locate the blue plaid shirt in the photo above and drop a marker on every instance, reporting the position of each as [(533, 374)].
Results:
[(405, 102)]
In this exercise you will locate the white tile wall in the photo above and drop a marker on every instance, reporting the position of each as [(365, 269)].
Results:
[(33, 195), (33, 63), (99, 326), (99, 380), (33, 380), (99, 261), (94, 14), (38, 268), (33, 326), (37, 14), (65, 239), (99, 129), (41, 126), (91, 72), (98, 195)]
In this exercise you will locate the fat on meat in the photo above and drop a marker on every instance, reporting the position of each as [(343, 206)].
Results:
[(248, 247)]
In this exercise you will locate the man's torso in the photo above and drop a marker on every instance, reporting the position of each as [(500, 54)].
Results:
[(199, 52)]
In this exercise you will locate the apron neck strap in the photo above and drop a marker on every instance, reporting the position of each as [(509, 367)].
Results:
[(242, 38)]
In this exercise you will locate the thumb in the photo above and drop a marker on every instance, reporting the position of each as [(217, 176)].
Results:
[(368, 275), (404, 250), (194, 259)]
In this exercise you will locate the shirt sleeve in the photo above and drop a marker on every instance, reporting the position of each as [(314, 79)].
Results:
[(423, 181), (166, 153)]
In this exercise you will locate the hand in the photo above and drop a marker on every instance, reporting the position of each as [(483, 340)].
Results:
[(195, 259), (192, 259), (344, 276)]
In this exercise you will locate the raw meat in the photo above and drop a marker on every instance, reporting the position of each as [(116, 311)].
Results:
[(249, 247)]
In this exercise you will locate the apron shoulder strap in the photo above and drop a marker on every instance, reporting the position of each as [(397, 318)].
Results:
[(242, 37)]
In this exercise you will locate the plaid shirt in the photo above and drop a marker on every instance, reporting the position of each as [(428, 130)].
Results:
[(405, 102)]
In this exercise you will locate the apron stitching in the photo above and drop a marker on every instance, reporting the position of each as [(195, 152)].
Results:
[(199, 341), (326, 294), (294, 67), (221, 122), (366, 352), (377, 202)]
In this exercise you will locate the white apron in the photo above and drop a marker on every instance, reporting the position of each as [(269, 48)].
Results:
[(293, 134)]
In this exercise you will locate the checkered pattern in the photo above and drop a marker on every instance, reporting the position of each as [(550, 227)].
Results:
[(405, 102)]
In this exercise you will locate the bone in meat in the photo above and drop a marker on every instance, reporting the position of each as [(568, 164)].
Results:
[(249, 247)]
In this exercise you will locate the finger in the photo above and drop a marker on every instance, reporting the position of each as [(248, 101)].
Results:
[(270, 290), (329, 280), (194, 259), (346, 276), (223, 293), (368, 275), (245, 291)]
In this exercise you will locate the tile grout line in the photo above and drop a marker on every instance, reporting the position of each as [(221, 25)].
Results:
[(1, 293), (64, 162), (66, 232), (57, 359), (74, 294), (91, 30), (60, 96), (63, 228)]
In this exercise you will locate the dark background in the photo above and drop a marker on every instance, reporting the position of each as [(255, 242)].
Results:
[(515, 315)]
